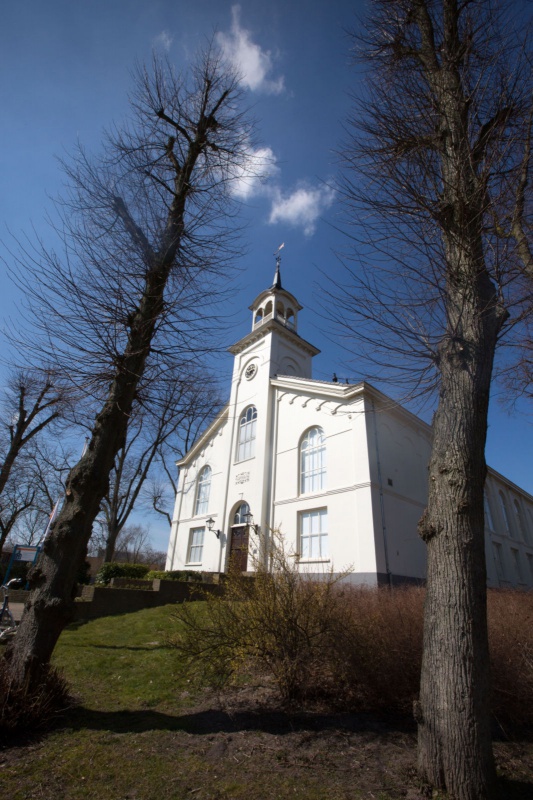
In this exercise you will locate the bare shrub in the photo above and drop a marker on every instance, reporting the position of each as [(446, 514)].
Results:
[(27, 709), (324, 640), (280, 621), (510, 615), (377, 649)]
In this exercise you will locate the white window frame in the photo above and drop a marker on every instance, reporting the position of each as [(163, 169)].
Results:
[(313, 461), (195, 549), (519, 519), (247, 434), (497, 551), (488, 511), (517, 564), (505, 513), (313, 535), (529, 557), (239, 517), (203, 490)]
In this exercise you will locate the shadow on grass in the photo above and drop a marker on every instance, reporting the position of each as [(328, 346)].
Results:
[(159, 646), (514, 790), (218, 721)]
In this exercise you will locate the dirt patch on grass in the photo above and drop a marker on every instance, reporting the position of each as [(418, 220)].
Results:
[(238, 745)]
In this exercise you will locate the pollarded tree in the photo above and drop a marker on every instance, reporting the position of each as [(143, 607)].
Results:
[(149, 234), (433, 162)]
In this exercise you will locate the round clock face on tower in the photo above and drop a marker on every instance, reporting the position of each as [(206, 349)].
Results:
[(250, 371)]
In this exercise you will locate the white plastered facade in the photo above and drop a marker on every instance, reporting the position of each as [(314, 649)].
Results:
[(372, 486)]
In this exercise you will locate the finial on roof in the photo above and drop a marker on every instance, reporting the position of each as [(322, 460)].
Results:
[(277, 275)]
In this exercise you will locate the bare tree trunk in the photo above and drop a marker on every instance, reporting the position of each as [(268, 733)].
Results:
[(454, 738), (112, 534), (448, 112)]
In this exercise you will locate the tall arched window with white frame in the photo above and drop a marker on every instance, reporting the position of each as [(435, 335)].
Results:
[(520, 520), (313, 461), (505, 514), (203, 489), (247, 433)]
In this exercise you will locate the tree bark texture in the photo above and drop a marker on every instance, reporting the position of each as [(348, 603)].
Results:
[(454, 739)]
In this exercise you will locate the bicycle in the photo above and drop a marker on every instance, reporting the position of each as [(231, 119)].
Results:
[(8, 625)]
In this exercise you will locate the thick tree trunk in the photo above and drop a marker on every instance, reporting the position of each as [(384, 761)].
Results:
[(454, 738)]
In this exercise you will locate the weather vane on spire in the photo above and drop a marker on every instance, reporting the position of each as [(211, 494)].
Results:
[(277, 255), (277, 276)]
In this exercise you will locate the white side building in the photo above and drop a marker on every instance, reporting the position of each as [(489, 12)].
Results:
[(340, 470)]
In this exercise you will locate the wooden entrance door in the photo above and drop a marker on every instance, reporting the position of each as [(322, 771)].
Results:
[(238, 548)]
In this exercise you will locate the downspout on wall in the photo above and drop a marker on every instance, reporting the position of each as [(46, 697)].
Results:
[(381, 499)]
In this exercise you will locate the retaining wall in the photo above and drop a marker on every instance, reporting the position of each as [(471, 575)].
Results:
[(102, 601)]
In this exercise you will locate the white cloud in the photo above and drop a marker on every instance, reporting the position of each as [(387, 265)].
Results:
[(162, 41), (252, 63), (249, 179), (302, 207)]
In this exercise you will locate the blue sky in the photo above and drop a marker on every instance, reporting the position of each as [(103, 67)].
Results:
[(65, 75)]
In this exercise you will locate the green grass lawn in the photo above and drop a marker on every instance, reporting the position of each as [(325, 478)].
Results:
[(123, 662), (140, 731)]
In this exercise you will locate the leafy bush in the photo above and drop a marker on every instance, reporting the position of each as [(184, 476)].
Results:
[(26, 710), (174, 575), (114, 569)]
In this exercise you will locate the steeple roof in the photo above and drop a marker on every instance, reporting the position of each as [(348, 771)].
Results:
[(277, 275)]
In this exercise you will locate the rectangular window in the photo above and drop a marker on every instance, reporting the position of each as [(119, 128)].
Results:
[(530, 562), (498, 560), (517, 565), (314, 534), (196, 545), (488, 512)]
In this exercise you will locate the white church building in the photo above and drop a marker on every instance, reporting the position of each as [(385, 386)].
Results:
[(340, 470)]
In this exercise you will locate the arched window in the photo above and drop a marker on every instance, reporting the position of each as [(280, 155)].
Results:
[(313, 461), (268, 310), (280, 310), (258, 316), (290, 318), (240, 515), (505, 513), (529, 526), (519, 520), (203, 488), (247, 429)]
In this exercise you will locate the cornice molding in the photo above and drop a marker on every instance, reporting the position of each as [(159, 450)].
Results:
[(272, 326)]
